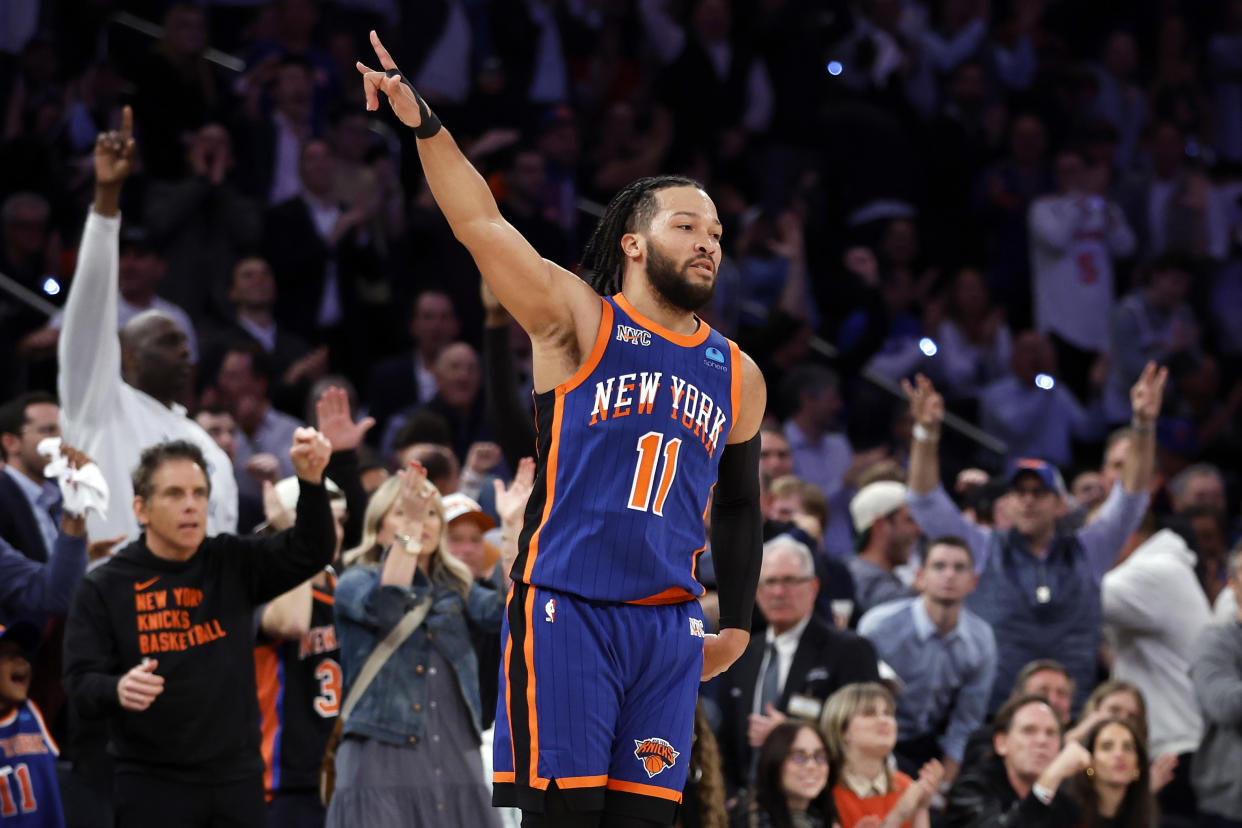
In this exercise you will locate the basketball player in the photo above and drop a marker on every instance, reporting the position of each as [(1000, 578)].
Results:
[(643, 414)]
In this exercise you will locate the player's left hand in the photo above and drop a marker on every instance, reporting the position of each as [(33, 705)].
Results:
[(310, 454), (720, 651)]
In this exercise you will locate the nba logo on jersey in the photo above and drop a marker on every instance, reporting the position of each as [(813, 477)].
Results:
[(655, 754), (549, 610)]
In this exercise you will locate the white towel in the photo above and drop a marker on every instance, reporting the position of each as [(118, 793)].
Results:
[(80, 489)]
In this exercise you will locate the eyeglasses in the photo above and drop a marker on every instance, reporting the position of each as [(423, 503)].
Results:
[(786, 581), (801, 757)]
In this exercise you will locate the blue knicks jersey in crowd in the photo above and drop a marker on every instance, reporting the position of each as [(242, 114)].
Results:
[(29, 794), (628, 453)]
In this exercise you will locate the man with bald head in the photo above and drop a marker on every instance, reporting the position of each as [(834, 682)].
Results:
[(119, 395)]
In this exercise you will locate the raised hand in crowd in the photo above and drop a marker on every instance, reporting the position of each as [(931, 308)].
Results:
[(310, 454), (511, 507), (274, 511), (918, 797), (926, 403), (138, 688), (1147, 395), (482, 457), (759, 725), (1163, 768), (333, 414), (1073, 759), (264, 468)]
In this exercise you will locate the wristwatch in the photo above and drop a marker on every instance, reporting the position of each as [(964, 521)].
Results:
[(409, 544)]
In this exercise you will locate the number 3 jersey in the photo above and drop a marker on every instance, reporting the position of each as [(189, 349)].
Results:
[(629, 448), (29, 794), (300, 697)]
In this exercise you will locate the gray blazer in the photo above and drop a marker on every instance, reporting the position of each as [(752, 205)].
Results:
[(1216, 670)]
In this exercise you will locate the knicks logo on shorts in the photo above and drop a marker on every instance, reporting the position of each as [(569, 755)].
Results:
[(655, 754)]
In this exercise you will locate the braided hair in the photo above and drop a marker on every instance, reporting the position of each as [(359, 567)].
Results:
[(629, 211)]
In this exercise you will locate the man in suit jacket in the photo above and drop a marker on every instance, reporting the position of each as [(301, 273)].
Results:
[(323, 260), (791, 669), (295, 366), (29, 503), (409, 379)]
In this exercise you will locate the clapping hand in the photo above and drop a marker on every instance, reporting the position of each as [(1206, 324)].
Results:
[(415, 502), (310, 454), (511, 499)]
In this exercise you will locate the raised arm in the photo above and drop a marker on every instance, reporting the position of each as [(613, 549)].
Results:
[(543, 297), (89, 350)]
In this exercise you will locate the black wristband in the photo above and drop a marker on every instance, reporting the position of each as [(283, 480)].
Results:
[(429, 124)]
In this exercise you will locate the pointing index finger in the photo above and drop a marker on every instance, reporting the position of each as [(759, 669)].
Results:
[(385, 59), (127, 124)]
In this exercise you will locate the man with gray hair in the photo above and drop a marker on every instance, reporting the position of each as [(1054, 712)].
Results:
[(792, 668), (1199, 485), (1217, 675), (118, 397)]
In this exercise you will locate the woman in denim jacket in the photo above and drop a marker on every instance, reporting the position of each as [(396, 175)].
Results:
[(409, 753)]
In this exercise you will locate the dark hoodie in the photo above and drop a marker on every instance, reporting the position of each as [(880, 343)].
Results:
[(196, 618)]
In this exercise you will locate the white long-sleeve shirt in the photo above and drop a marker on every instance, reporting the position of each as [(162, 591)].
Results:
[(1073, 242), (1156, 610), (106, 417)]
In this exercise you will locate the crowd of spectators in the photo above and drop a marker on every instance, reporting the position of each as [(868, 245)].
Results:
[(1029, 212)]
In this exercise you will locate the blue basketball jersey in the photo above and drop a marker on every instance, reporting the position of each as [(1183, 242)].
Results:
[(629, 449), (29, 793)]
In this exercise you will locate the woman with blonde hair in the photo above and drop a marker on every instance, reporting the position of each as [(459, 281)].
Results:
[(860, 724), (409, 750)]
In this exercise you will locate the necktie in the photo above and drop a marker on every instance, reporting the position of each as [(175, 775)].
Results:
[(770, 691)]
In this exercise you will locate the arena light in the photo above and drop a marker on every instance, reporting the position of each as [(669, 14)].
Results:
[(1045, 382), (835, 68), (50, 286), (928, 346)]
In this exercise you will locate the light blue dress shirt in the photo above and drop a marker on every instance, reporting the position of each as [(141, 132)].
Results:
[(945, 676)]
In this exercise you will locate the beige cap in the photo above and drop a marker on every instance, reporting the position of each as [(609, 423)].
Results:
[(876, 500)]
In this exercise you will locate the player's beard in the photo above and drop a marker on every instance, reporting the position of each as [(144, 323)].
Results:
[(672, 284)]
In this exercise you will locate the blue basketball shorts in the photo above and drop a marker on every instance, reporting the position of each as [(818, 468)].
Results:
[(599, 697)]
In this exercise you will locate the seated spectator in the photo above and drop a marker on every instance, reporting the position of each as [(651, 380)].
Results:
[(243, 383), (409, 378), (1011, 787), (1034, 414), (943, 654), (30, 794), (790, 500), (118, 398), (791, 781), (202, 224), (1045, 678), (457, 401), (860, 723), (1114, 787), (974, 343), (252, 293), (141, 269), (465, 525), (792, 668), (885, 534), (1217, 676), (1122, 700), (821, 454), (1038, 587), (410, 745), (1153, 323)]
